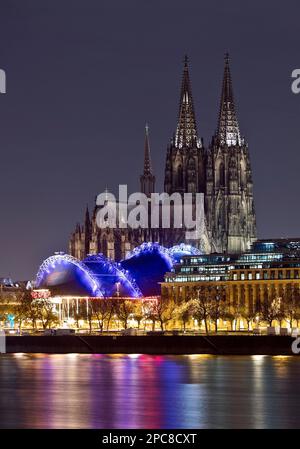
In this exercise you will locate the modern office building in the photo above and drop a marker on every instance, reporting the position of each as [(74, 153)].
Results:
[(269, 271)]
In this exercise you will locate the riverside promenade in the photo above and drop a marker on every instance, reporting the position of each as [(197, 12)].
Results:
[(161, 344)]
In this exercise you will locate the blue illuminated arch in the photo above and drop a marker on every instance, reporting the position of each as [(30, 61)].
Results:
[(137, 275), (148, 264), (178, 251), (151, 247), (62, 270), (109, 273)]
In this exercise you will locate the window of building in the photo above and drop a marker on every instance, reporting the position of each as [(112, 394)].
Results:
[(257, 275), (280, 275), (250, 276), (221, 175), (266, 275), (235, 276), (242, 276), (272, 274), (288, 274), (296, 274)]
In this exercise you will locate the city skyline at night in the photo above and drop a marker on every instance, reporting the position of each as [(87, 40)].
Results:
[(72, 110), (150, 244)]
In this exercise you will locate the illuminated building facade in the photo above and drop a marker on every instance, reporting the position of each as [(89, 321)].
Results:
[(269, 270), (221, 171)]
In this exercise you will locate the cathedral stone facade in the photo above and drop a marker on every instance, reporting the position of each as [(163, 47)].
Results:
[(222, 172), (229, 189)]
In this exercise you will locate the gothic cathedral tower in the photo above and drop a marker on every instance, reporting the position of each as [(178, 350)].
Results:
[(184, 170), (147, 179), (229, 203)]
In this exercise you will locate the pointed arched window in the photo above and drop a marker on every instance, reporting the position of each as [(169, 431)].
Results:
[(221, 175), (179, 176)]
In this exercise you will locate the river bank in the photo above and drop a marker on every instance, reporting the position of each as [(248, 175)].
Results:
[(212, 344)]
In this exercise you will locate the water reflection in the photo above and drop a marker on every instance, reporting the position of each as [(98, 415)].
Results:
[(141, 391)]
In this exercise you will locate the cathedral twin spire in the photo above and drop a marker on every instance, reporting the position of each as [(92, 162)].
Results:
[(186, 132), (228, 132), (186, 135)]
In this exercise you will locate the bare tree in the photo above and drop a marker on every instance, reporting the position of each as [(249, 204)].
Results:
[(201, 307), (45, 313), (149, 311), (184, 312), (229, 316), (102, 309), (248, 314), (79, 311), (209, 304), (30, 308), (8, 305), (124, 308), (21, 310), (161, 311), (138, 312), (217, 298), (290, 305), (271, 310), (89, 316)]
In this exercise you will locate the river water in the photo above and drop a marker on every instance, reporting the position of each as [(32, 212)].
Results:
[(141, 391)]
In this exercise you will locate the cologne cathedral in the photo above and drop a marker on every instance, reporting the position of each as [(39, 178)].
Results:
[(221, 171)]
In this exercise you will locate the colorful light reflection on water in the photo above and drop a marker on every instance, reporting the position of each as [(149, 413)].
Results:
[(141, 391)]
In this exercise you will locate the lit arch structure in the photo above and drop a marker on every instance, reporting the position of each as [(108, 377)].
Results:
[(178, 251), (148, 264), (57, 273), (95, 276), (138, 275), (151, 247), (173, 254), (112, 278)]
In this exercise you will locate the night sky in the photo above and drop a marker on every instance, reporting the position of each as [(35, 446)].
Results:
[(83, 77)]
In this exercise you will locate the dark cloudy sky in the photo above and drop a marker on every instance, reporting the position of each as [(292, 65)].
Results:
[(83, 77)]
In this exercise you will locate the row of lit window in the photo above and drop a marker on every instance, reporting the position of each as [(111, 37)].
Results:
[(208, 259), (204, 269), (195, 278), (266, 275), (261, 257), (241, 276)]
